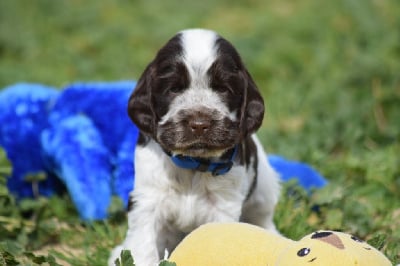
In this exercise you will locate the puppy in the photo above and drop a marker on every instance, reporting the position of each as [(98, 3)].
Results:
[(197, 160)]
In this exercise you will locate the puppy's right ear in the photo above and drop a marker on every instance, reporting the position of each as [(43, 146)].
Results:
[(140, 106)]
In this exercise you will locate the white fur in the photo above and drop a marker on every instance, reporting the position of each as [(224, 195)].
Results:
[(259, 208), (174, 201), (199, 50), (171, 201)]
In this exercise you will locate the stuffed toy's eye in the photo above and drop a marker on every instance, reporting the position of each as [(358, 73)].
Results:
[(303, 252), (356, 239), (317, 235)]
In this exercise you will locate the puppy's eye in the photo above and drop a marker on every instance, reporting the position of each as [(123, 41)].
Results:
[(222, 89), (303, 252), (175, 89)]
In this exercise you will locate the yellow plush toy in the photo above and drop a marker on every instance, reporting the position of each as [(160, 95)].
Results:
[(234, 244)]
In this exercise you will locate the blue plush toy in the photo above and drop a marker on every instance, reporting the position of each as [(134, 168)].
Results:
[(90, 142), (80, 135), (23, 116), (82, 139), (306, 176)]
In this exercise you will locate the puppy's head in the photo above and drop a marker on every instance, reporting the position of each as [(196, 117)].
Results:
[(196, 97)]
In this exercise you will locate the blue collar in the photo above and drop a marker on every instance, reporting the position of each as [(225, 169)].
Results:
[(204, 165)]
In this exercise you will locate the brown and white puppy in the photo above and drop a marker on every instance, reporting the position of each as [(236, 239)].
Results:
[(197, 160)]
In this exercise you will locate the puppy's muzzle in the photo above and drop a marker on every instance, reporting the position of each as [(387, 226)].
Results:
[(199, 124)]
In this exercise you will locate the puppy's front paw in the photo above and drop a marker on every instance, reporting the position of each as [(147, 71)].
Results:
[(115, 254)]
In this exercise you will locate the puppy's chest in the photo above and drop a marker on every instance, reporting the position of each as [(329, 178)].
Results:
[(202, 198)]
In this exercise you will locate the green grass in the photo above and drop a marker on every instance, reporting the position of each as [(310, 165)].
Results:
[(328, 70)]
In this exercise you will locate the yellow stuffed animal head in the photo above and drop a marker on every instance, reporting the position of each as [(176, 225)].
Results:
[(331, 248), (240, 244), (229, 244)]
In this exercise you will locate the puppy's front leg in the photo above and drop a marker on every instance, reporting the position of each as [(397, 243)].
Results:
[(140, 239)]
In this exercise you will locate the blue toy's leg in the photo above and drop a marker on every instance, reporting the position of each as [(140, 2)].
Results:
[(307, 177), (81, 161), (124, 167), (105, 104), (24, 110)]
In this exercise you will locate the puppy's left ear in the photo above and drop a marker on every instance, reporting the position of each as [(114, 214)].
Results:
[(140, 107), (253, 106)]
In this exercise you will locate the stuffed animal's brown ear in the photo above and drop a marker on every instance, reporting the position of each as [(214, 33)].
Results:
[(140, 107)]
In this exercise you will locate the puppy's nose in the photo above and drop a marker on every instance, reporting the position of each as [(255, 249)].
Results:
[(199, 126)]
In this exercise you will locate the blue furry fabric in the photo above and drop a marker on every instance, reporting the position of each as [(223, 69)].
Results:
[(105, 104), (78, 156), (23, 115), (305, 175), (81, 138)]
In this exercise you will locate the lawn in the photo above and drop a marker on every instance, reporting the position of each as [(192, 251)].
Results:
[(329, 72)]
